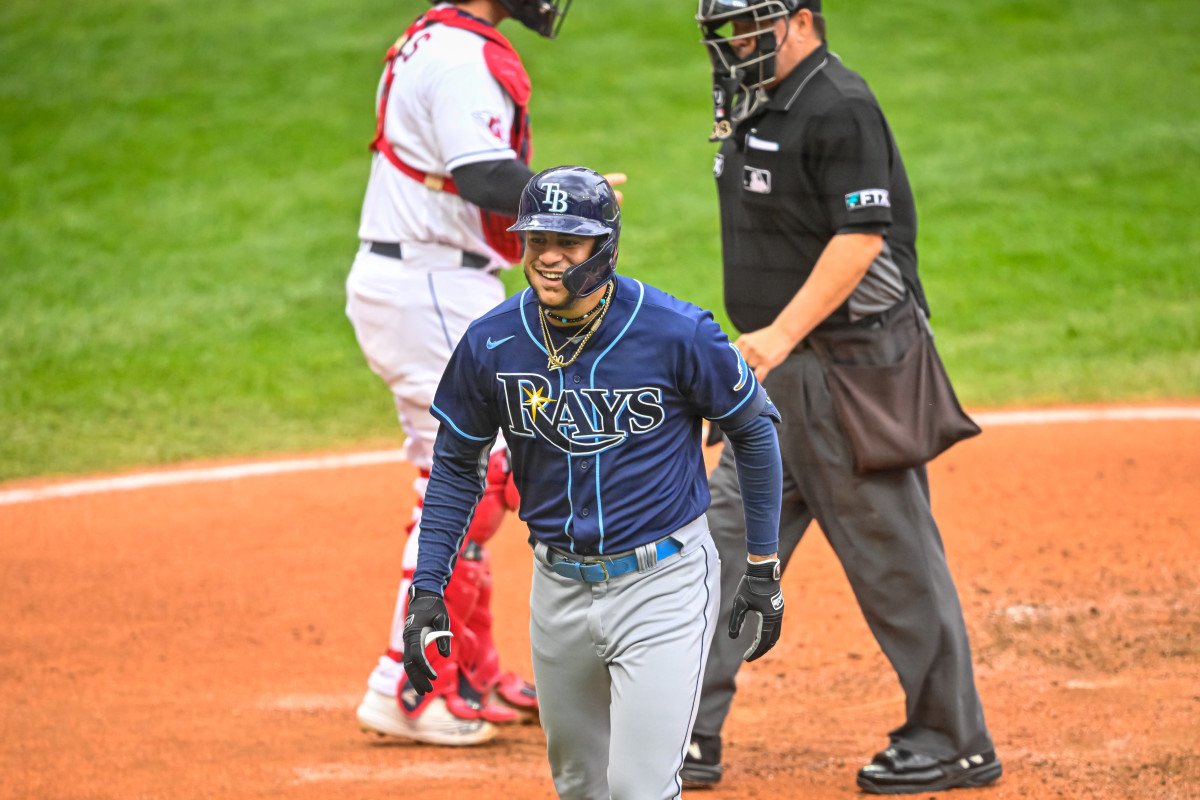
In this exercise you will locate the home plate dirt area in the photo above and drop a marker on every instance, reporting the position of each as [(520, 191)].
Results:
[(207, 631)]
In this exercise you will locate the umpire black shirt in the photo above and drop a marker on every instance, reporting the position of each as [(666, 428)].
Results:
[(817, 160)]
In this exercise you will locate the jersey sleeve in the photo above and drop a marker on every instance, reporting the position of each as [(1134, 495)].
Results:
[(471, 115), (854, 164), (463, 402), (722, 386)]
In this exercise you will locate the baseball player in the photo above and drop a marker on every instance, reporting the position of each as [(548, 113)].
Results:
[(599, 385), (451, 152)]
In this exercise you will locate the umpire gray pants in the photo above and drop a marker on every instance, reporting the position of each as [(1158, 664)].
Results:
[(882, 530)]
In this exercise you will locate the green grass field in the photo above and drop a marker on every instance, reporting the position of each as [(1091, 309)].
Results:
[(180, 186)]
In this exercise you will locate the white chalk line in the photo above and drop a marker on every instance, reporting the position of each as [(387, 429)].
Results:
[(146, 480), (229, 472), (416, 770), (309, 703), (1060, 415)]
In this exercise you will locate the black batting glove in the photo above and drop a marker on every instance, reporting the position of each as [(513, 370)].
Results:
[(759, 594), (427, 621)]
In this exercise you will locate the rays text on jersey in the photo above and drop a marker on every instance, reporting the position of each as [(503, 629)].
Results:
[(579, 421)]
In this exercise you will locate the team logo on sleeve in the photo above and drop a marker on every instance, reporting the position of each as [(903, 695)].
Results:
[(580, 422), (718, 165), (868, 198), (757, 180), (492, 122)]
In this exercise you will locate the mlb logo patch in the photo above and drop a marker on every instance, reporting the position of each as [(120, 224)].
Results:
[(757, 180), (868, 198)]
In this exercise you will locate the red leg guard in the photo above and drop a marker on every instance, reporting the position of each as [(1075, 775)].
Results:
[(484, 669), (461, 596), (470, 677), (482, 674), (512, 498), (490, 511)]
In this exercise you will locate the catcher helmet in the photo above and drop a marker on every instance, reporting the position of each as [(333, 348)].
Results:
[(578, 201), (736, 80), (540, 16)]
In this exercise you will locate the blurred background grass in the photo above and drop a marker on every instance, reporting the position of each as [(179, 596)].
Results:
[(180, 187)]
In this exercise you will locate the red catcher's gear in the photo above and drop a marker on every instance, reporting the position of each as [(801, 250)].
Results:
[(506, 67), (490, 511), (468, 676)]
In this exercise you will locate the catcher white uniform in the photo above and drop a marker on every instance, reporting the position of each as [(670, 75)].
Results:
[(452, 96)]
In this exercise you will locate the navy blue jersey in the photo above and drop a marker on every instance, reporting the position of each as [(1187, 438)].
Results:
[(606, 452)]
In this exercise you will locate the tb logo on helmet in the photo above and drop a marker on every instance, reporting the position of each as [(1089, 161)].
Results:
[(556, 198)]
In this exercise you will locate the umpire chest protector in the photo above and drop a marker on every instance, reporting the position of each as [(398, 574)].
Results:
[(816, 160)]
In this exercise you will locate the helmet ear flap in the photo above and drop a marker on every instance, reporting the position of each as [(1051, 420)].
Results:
[(592, 273)]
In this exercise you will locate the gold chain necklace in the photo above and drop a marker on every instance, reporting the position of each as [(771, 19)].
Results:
[(554, 360)]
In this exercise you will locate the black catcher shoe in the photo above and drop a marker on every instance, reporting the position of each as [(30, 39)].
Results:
[(702, 764), (896, 771)]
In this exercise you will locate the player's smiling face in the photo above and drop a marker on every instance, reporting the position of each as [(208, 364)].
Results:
[(548, 254)]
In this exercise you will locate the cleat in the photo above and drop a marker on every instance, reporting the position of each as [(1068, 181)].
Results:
[(702, 765), (381, 714), (897, 771)]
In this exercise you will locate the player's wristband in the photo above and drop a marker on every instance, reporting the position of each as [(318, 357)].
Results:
[(769, 569)]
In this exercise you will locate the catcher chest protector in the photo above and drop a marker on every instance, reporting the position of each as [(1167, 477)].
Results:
[(506, 67)]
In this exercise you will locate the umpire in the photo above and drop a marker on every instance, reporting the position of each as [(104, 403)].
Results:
[(818, 232)]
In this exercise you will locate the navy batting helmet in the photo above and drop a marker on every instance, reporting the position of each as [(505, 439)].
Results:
[(578, 201)]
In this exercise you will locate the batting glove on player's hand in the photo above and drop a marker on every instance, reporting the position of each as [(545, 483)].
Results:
[(427, 622), (758, 593)]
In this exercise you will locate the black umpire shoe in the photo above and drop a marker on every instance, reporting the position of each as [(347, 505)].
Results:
[(702, 764), (896, 771)]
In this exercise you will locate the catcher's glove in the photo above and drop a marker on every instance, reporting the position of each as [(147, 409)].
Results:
[(428, 621), (758, 593)]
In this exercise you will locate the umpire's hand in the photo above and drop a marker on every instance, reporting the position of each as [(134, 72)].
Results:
[(427, 621), (758, 593)]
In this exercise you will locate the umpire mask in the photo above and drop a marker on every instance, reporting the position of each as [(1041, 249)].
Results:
[(738, 82)]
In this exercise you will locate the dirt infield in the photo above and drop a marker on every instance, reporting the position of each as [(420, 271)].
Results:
[(212, 639)]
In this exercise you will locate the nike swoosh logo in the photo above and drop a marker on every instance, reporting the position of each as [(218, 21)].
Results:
[(493, 345)]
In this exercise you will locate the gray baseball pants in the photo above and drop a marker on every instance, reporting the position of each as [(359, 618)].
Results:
[(882, 530), (618, 666)]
